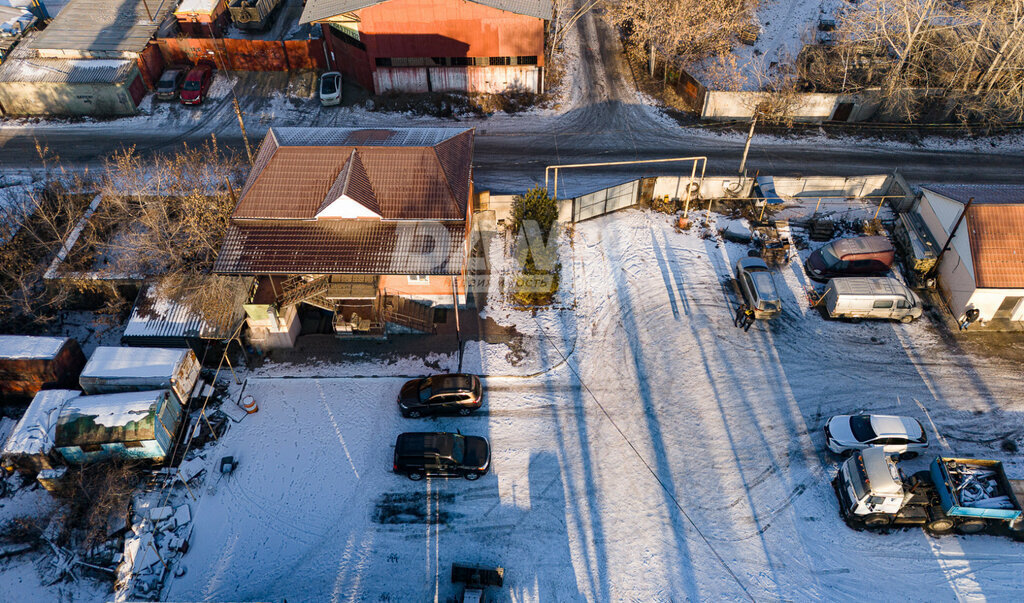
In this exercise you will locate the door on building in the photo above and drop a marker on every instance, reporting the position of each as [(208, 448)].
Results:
[(1006, 308)]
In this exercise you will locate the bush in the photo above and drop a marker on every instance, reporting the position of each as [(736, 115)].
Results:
[(534, 215)]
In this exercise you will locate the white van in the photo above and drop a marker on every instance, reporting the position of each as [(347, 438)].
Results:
[(871, 297)]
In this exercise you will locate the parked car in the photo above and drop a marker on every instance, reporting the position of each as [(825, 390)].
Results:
[(419, 455), (854, 256), (758, 287), (860, 297), (764, 191), (895, 435), (330, 88), (440, 394), (169, 85), (197, 82)]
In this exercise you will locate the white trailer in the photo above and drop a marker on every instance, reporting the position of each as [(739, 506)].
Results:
[(871, 297), (112, 370)]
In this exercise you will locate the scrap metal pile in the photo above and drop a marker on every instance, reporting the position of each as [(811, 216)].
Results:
[(977, 487)]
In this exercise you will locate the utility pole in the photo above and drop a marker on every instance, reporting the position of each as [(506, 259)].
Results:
[(234, 97), (746, 147)]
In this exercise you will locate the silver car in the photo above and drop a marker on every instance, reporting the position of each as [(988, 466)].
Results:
[(330, 88), (895, 435), (758, 287)]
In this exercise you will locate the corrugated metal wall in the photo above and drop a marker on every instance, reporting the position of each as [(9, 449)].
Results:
[(494, 79), (247, 55)]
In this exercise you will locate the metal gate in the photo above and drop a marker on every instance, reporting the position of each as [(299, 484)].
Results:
[(605, 201)]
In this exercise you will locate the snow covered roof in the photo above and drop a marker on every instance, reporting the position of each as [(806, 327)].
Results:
[(34, 433), (155, 317), (197, 6), (98, 419), (316, 10), (104, 26), (66, 71), (115, 362), (27, 347)]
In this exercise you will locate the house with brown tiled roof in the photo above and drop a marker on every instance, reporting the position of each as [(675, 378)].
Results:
[(983, 269), (363, 231)]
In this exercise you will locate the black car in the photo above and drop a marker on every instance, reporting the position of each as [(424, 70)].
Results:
[(440, 394), (419, 455)]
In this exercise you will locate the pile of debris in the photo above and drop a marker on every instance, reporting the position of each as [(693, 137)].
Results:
[(159, 537), (977, 487)]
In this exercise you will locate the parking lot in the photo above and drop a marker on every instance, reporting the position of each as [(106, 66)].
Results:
[(671, 456)]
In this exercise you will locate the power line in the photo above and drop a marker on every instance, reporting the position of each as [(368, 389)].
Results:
[(650, 469)]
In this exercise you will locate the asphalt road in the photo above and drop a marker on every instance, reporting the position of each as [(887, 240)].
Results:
[(604, 123)]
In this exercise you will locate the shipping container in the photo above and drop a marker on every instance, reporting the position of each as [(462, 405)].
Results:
[(117, 369), (29, 364), (132, 425)]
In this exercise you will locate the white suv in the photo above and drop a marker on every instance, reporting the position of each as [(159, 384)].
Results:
[(895, 435)]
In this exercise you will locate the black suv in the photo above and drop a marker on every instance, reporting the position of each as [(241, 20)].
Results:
[(440, 394), (419, 455)]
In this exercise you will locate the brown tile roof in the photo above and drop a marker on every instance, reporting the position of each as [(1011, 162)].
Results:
[(341, 247), (411, 173), (353, 182), (996, 233)]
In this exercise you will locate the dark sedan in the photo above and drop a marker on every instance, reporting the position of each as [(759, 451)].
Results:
[(440, 394)]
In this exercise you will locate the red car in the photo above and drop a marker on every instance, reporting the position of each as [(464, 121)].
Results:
[(196, 83)]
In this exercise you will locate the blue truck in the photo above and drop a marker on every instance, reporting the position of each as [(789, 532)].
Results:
[(962, 495)]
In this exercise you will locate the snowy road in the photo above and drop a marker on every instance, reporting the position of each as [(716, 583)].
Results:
[(673, 457), (602, 118)]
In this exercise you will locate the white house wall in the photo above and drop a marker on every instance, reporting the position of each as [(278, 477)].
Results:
[(723, 105), (987, 301)]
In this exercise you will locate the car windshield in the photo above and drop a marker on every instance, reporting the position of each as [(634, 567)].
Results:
[(166, 82), (425, 391), (765, 285), (329, 85), (828, 257), (191, 85), (860, 425), (459, 449)]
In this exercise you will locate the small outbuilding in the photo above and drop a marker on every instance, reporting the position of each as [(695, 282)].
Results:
[(33, 85), (202, 18), (30, 446), (133, 425), (30, 363), (983, 268)]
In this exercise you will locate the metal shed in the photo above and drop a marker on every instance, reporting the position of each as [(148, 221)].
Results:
[(32, 85), (141, 425)]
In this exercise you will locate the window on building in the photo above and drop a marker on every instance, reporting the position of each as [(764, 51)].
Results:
[(500, 60), (383, 61), (460, 61), (526, 60), (419, 279)]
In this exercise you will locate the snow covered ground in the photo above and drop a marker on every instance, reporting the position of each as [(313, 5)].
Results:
[(671, 457)]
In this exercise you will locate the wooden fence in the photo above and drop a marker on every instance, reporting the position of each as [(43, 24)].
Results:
[(246, 55)]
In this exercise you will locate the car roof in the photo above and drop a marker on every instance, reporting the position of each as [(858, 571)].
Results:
[(752, 263), (173, 71), (425, 442), (891, 426), (451, 382), (861, 245)]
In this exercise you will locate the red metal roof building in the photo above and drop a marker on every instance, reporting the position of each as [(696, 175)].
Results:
[(370, 224), (435, 45)]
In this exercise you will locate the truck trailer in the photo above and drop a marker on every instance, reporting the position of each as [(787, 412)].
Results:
[(968, 496)]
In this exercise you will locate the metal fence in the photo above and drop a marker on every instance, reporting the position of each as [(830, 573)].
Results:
[(606, 201)]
